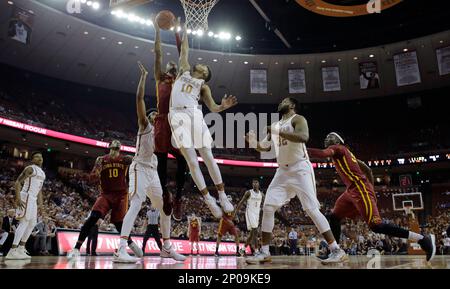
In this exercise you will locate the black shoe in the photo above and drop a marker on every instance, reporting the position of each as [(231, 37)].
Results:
[(94, 254), (428, 244)]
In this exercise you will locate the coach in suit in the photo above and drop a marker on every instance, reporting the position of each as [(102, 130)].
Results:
[(9, 225)]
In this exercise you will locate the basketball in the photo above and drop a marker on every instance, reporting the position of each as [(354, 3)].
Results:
[(165, 19)]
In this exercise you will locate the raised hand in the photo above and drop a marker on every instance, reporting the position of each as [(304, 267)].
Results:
[(228, 101), (251, 139), (144, 71)]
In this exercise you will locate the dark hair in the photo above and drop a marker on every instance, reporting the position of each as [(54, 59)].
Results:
[(150, 110), (296, 103), (35, 153), (208, 78), (255, 179)]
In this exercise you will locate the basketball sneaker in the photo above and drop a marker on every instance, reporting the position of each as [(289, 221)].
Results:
[(122, 256), (259, 258), (24, 252), (74, 254), (211, 202), (170, 253), (336, 256), (136, 250), (225, 203), (15, 254), (428, 244), (177, 209)]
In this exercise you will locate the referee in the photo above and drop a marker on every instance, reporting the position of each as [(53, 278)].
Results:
[(152, 228)]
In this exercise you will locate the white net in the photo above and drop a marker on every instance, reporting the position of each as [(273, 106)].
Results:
[(196, 13)]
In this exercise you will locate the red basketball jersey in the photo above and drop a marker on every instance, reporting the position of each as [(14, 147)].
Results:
[(163, 91), (194, 226), (113, 174)]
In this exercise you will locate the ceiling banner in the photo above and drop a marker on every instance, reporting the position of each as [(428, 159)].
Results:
[(323, 7)]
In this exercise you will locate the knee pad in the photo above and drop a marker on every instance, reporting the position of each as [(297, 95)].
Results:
[(268, 219), (319, 220)]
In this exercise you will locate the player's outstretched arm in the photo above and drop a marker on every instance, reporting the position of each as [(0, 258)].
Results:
[(228, 101), (177, 35), (140, 99), (158, 54), (366, 170), (27, 172), (320, 154), (263, 146), (184, 54), (301, 131)]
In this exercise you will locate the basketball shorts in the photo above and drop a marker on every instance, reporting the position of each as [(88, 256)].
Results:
[(117, 202), (355, 204), (29, 212), (295, 180), (226, 226), (252, 220), (194, 237), (189, 128), (144, 182), (163, 135)]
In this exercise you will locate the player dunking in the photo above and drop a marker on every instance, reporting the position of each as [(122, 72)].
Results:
[(189, 128), (111, 170), (194, 231), (28, 197), (294, 177), (253, 198), (359, 199), (144, 181), (163, 134)]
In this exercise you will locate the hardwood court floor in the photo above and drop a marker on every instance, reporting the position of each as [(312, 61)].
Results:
[(210, 262)]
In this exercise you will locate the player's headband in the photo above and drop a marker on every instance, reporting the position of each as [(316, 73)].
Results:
[(338, 136)]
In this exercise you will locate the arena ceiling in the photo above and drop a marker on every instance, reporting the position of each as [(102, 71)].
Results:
[(69, 48), (293, 26)]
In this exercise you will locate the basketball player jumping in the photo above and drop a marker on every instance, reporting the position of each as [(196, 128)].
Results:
[(111, 170), (294, 177), (189, 128), (163, 134), (144, 181), (359, 199), (253, 198), (28, 197)]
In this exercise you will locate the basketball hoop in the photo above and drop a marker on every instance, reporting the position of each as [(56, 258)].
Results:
[(196, 13)]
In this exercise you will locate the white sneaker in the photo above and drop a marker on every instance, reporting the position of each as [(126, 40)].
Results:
[(211, 202), (259, 258), (15, 254), (225, 203), (122, 256), (337, 256), (170, 253), (136, 250), (24, 252), (74, 254)]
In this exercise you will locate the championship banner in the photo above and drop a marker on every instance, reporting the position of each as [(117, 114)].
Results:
[(443, 58), (107, 243), (20, 25), (258, 81), (368, 75), (323, 7), (331, 79), (297, 82), (407, 68)]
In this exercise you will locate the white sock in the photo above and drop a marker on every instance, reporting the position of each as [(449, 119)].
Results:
[(167, 244), (414, 236), (265, 249), (333, 246)]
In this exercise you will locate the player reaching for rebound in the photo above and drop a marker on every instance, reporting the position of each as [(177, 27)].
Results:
[(144, 181), (194, 231), (28, 197), (254, 199), (189, 128), (359, 199), (294, 176), (163, 134), (111, 171)]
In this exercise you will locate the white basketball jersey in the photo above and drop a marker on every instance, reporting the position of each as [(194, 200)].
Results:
[(33, 184), (287, 152), (145, 146), (186, 91), (254, 202)]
